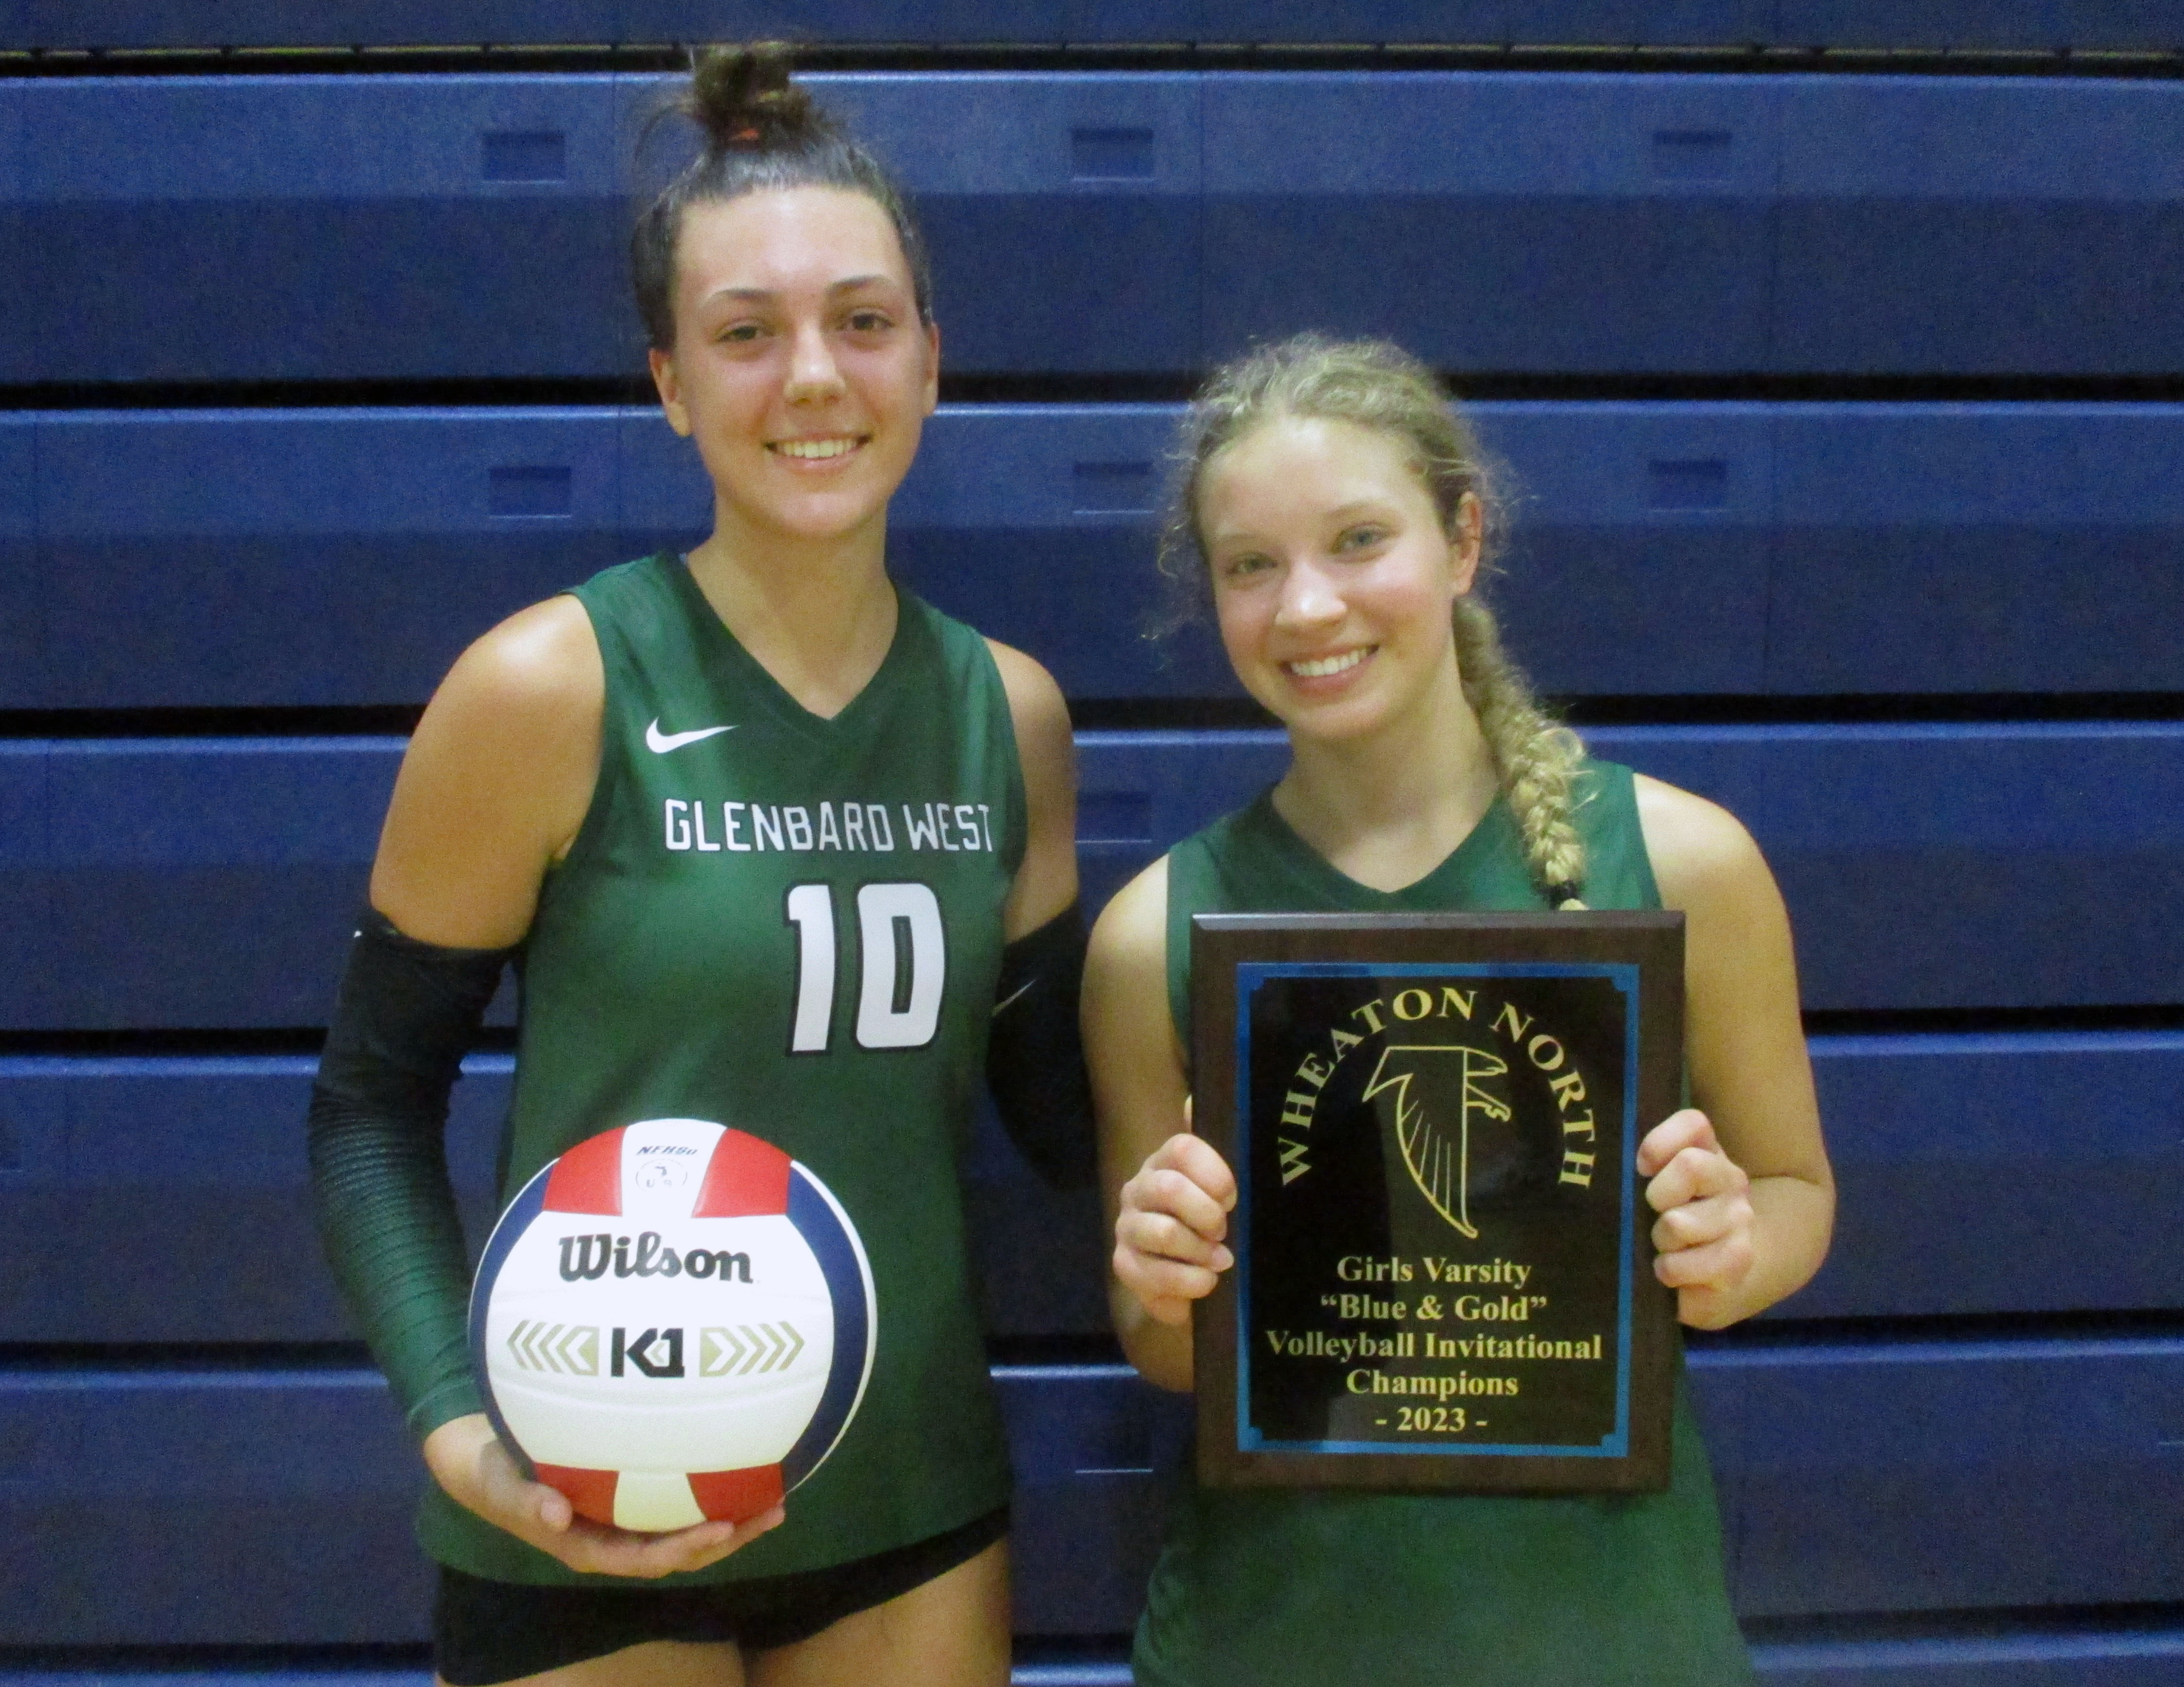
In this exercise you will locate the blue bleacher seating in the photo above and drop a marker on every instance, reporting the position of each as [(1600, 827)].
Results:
[(186, 1177), (1966, 1166), (366, 227), (22, 627), (192, 1170), (387, 226), (1989, 26), (2049, 223), (2085, 1658), (1590, 222), (1601, 22), (1982, 26), (1939, 1476), (287, 558), (300, 558), (1876, 1478), (209, 883), (125, 863), (2023, 547)]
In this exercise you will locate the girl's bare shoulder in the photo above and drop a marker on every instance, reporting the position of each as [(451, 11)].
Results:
[(543, 661), (1130, 936), (1697, 848)]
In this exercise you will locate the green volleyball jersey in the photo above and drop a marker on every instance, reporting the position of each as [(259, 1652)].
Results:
[(1336, 1587), (792, 926)]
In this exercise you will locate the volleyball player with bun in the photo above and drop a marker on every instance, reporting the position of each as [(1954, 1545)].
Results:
[(775, 845), (1335, 508)]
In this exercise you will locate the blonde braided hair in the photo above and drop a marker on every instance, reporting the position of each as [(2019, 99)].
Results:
[(1374, 385)]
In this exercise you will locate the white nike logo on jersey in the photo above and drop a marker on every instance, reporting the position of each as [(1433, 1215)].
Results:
[(659, 743)]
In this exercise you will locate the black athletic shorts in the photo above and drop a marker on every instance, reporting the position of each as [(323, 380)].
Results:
[(485, 1632)]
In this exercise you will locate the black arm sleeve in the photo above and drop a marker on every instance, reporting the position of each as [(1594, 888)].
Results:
[(406, 1015), (1035, 1060)]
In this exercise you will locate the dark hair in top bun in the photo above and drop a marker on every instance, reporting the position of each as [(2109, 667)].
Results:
[(763, 132)]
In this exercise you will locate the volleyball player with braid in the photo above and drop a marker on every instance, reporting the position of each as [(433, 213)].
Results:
[(707, 801), (1335, 508)]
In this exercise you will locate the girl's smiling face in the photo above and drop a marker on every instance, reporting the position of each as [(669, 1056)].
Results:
[(799, 365), (1332, 577)]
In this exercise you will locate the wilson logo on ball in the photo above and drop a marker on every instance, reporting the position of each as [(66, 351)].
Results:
[(604, 1355), (587, 1259)]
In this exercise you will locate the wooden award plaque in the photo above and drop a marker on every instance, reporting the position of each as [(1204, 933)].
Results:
[(1444, 1267)]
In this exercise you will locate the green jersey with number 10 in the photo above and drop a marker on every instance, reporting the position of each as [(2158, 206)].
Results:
[(792, 926)]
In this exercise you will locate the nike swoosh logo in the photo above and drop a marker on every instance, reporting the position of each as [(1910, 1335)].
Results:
[(1012, 996), (659, 743)]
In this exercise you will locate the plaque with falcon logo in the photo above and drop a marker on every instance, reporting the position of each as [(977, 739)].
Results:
[(1444, 1267)]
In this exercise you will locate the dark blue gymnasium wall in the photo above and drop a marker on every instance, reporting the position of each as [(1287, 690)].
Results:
[(1836, 352)]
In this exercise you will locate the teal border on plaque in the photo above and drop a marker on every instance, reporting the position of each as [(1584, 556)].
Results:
[(1624, 976)]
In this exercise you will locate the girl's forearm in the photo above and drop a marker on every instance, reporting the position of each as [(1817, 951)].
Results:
[(1161, 1352)]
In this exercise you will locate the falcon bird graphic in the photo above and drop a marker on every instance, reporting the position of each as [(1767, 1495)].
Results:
[(1437, 1148)]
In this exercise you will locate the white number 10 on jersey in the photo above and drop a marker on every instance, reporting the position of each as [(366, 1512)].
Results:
[(904, 954)]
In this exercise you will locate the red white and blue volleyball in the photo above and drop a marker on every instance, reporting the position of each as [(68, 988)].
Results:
[(673, 1321)]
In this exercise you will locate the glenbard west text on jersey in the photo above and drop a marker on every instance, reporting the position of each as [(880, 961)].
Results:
[(872, 828)]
